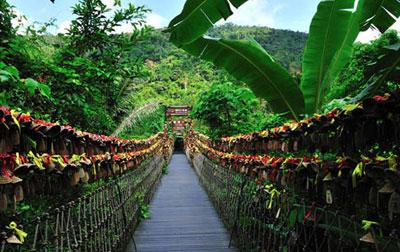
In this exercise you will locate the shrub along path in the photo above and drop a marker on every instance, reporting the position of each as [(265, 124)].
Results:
[(182, 217)]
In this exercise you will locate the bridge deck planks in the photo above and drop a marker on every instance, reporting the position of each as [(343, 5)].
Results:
[(182, 217)]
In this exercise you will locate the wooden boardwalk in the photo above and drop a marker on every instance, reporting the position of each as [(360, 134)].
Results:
[(182, 217)]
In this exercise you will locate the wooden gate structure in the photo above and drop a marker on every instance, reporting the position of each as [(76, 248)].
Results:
[(178, 118)]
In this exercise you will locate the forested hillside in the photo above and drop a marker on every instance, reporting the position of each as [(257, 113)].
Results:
[(285, 46), (174, 76)]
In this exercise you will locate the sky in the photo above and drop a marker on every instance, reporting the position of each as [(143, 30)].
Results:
[(293, 15)]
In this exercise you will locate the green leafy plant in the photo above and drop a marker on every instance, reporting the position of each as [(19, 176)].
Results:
[(197, 17), (92, 29), (80, 77), (144, 212), (250, 63), (273, 120), (386, 68), (379, 14), (227, 111), (7, 31), (8, 73), (165, 169), (136, 116), (148, 124), (333, 30), (10, 80), (32, 85), (372, 63)]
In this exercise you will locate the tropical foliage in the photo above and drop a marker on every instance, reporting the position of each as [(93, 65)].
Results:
[(368, 64), (227, 111), (70, 79), (197, 17), (79, 77), (333, 30), (145, 125), (250, 63)]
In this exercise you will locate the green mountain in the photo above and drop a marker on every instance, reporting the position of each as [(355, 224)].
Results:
[(173, 76), (284, 45)]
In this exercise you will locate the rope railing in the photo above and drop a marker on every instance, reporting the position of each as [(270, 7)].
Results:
[(21, 133), (96, 187), (262, 217), (276, 192), (103, 220), (355, 128)]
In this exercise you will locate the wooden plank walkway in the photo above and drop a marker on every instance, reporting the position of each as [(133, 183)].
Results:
[(182, 217)]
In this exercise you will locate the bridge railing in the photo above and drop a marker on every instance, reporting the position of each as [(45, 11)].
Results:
[(93, 189), (103, 220), (290, 200), (261, 217), (355, 128)]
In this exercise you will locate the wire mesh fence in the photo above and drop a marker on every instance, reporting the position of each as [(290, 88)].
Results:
[(104, 220), (283, 221)]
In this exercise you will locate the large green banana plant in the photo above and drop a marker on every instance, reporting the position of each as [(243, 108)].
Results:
[(379, 14), (333, 30), (247, 61), (197, 17)]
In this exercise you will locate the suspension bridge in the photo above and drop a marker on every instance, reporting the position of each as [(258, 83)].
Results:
[(254, 192)]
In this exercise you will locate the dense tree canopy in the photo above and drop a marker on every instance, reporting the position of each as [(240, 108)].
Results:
[(228, 110)]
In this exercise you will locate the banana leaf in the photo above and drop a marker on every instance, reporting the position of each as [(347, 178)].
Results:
[(247, 61), (387, 68), (328, 32), (380, 14), (197, 17), (345, 51)]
